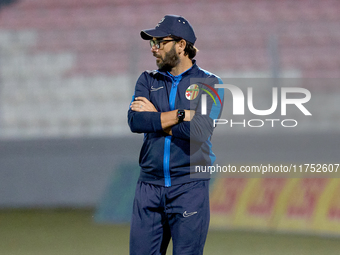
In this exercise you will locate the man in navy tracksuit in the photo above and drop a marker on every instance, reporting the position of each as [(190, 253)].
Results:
[(167, 107)]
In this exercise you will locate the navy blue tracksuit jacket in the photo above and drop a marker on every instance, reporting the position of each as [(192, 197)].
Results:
[(167, 160)]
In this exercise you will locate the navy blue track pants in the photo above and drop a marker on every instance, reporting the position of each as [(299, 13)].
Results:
[(180, 212)]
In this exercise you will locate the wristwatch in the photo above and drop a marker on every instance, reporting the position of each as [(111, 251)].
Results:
[(180, 115)]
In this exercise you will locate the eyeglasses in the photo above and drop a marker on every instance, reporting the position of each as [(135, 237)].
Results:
[(157, 43)]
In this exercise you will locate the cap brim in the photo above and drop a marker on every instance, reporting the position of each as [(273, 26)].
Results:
[(151, 33)]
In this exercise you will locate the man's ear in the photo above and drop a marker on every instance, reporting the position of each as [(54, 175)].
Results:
[(181, 46)]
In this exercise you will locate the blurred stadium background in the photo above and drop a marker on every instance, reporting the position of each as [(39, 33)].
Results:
[(68, 162)]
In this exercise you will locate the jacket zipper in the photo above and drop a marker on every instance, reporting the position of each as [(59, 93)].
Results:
[(166, 157)]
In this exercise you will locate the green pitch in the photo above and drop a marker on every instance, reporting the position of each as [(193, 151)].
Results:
[(73, 232)]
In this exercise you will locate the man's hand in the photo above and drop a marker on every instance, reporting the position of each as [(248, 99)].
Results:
[(141, 104), (189, 114), (168, 119)]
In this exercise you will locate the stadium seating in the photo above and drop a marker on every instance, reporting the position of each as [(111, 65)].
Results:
[(62, 60)]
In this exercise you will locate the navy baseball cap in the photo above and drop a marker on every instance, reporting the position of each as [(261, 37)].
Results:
[(171, 25)]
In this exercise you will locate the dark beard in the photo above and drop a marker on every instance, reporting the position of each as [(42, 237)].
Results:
[(170, 60)]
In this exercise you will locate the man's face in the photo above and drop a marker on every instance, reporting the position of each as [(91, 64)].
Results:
[(166, 55)]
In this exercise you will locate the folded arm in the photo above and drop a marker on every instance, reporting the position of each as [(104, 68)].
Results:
[(167, 119)]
